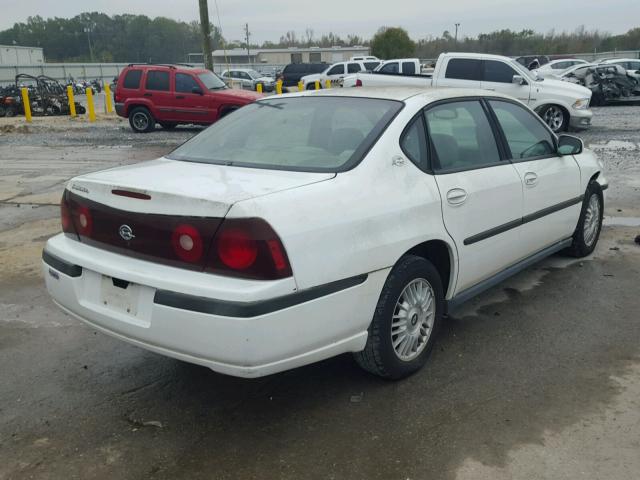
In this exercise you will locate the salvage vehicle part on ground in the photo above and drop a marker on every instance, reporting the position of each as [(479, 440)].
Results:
[(609, 83)]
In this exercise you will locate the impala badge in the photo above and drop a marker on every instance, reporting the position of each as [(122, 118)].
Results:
[(126, 232)]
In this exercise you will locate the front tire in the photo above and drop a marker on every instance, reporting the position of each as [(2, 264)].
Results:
[(587, 233), (406, 320), (556, 117), (141, 120)]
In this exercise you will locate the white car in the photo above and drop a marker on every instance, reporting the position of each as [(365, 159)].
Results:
[(249, 79), (366, 58), (631, 65), (556, 66), (336, 72), (252, 252)]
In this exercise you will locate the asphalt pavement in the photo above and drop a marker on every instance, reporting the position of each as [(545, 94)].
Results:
[(538, 378)]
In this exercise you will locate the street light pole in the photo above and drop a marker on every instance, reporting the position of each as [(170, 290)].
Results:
[(456, 37)]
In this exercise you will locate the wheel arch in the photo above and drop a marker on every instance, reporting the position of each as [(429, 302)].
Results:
[(130, 106), (441, 255)]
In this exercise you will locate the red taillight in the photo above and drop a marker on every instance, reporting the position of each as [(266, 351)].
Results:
[(187, 243), (358, 82), (83, 221), (65, 216), (249, 248), (236, 249)]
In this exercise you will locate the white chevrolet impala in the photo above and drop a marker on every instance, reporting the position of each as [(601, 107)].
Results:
[(308, 225)]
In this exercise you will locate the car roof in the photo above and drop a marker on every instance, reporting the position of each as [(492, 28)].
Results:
[(167, 66), (396, 93), (478, 55), (612, 60)]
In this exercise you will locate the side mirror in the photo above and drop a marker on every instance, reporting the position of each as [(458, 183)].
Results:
[(569, 145), (518, 80), (197, 90)]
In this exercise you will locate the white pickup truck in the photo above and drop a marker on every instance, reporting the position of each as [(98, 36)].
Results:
[(561, 105)]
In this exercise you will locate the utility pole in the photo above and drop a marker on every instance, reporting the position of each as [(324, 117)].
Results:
[(246, 36), (88, 30), (206, 35), (456, 37)]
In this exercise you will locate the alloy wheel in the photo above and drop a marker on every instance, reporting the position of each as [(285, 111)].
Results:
[(413, 319)]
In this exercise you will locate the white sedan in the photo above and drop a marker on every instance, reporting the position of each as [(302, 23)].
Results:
[(554, 67), (253, 252)]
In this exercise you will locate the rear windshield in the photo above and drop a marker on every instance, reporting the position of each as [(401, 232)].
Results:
[(318, 134)]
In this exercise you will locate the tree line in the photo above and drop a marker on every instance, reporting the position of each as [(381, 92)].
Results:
[(98, 37)]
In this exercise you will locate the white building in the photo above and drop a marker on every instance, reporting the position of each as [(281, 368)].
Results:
[(14, 55), (283, 56)]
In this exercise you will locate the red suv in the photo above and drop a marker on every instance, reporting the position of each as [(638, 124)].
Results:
[(172, 94)]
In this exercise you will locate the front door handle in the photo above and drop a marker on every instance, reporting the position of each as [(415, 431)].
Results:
[(456, 196), (148, 95), (530, 179)]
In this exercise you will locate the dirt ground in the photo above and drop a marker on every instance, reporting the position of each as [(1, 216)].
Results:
[(539, 378)]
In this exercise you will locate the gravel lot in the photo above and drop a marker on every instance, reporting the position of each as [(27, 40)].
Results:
[(538, 378)]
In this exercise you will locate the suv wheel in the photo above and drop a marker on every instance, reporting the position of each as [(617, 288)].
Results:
[(141, 120), (587, 232), (406, 320)]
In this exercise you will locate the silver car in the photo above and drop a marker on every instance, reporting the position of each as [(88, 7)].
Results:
[(249, 79)]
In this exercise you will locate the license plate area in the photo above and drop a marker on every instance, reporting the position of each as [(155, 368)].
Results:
[(120, 295)]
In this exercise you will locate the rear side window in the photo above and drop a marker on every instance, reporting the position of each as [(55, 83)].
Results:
[(408, 68), (371, 65), (157, 80), (463, 69), (525, 134), (132, 79), (414, 143), (353, 68), (461, 136), (390, 68), (185, 83), (498, 72)]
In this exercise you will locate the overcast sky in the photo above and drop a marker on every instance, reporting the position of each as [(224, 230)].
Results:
[(268, 19)]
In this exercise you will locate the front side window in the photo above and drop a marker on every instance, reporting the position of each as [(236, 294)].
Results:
[(461, 136), (463, 69), (414, 143), (157, 80), (324, 134), (500, 72), (132, 79), (390, 68), (336, 70), (185, 83), (525, 134)]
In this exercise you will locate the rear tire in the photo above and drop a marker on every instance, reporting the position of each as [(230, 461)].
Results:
[(141, 120), (587, 233), (406, 320)]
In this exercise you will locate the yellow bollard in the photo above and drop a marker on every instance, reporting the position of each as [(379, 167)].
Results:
[(317, 84), (259, 88), (327, 83), (107, 98), (300, 86), (279, 87), (72, 102), (90, 106), (26, 104)]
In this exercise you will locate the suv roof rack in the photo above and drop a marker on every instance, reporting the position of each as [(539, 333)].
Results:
[(170, 65)]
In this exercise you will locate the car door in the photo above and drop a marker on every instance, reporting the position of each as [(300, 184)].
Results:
[(551, 183), (460, 72), (247, 81), (498, 76), (158, 90), (481, 192), (336, 72), (191, 106)]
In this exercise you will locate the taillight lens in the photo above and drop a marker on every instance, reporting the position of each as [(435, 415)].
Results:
[(358, 83), (249, 248), (187, 243), (65, 216)]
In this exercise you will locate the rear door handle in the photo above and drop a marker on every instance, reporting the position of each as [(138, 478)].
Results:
[(456, 196), (148, 95), (530, 179)]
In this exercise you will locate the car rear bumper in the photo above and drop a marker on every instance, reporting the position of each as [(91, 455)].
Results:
[(120, 110), (235, 328)]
